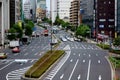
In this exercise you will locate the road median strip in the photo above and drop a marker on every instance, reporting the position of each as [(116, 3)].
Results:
[(41, 66)]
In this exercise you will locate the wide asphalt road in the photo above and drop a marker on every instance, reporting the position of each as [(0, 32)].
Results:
[(9, 68), (86, 62)]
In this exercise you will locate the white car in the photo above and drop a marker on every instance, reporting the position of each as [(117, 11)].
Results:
[(64, 39), (71, 39)]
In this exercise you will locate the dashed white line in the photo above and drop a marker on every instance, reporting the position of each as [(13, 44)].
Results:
[(88, 74), (98, 61), (5, 66), (83, 61), (79, 77), (79, 54), (73, 69), (61, 76), (71, 60), (99, 78)]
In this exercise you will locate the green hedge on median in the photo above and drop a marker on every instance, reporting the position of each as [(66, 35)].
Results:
[(104, 46), (37, 70)]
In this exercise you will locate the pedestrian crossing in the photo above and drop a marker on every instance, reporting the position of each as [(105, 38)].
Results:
[(81, 46), (16, 75), (6, 61)]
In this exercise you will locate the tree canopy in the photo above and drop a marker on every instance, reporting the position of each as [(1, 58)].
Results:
[(82, 30)]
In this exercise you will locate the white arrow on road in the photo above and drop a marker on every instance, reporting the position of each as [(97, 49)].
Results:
[(61, 76), (98, 61), (71, 60), (79, 77), (99, 78)]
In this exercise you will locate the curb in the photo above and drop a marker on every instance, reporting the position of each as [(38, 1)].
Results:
[(112, 68), (46, 72)]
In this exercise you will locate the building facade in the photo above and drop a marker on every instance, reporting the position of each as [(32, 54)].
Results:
[(74, 13), (26, 9), (33, 9), (118, 17), (41, 9), (64, 9), (4, 19), (105, 18), (15, 11)]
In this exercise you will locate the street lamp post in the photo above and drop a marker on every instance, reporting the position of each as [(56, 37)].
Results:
[(51, 39)]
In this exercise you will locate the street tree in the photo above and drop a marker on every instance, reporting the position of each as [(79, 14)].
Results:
[(116, 41), (11, 34), (19, 30), (82, 30), (28, 30)]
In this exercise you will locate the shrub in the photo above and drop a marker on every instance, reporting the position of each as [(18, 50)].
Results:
[(42, 65), (104, 46)]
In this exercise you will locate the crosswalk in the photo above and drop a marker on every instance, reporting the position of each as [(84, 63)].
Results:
[(81, 46), (16, 75), (6, 61)]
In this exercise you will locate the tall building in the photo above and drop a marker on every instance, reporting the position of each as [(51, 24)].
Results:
[(4, 19), (33, 9), (15, 11), (118, 16), (74, 13), (87, 7), (105, 19), (26, 9), (64, 9), (41, 9), (53, 10)]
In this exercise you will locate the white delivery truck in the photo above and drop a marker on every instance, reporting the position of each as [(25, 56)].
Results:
[(13, 44)]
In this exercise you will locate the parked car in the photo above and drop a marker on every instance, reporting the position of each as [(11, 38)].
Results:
[(3, 55), (16, 50)]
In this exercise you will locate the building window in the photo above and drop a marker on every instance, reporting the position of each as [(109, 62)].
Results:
[(111, 26), (101, 26), (102, 20)]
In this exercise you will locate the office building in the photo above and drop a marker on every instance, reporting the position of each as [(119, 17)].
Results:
[(105, 19), (41, 9), (64, 9), (4, 19), (74, 13), (26, 9)]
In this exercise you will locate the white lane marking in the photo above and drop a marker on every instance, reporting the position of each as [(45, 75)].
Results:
[(40, 54), (16, 54), (73, 69), (74, 54), (89, 55), (79, 77), (6, 66), (71, 60), (25, 54), (98, 61), (64, 59), (79, 54), (83, 61), (88, 74), (36, 54), (33, 49), (99, 78), (61, 76), (96, 54), (32, 61)]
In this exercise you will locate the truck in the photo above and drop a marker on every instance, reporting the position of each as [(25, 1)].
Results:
[(13, 44)]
